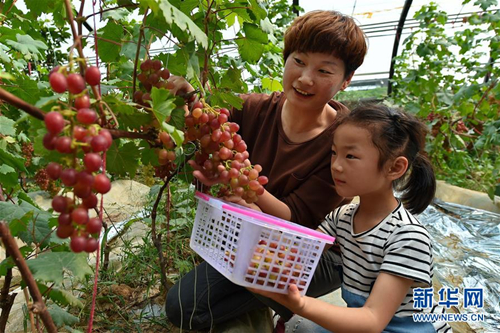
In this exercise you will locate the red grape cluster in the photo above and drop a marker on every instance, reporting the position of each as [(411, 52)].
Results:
[(69, 136), (152, 75), (166, 156), (223, 154)]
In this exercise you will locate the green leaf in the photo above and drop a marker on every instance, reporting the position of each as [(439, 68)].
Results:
[(173, 15), (116, 14), (14, 161), (109, 51), (252, 47), (38, 7), (60, 296), (7, 126), (122, 159), (177, 119), (177, 135), (8, 177), (61, 317), (223, 98), (27, 221), (161, 105), (5, 75), (271, 84), (27, 46), (50, 267), (254, 32), (48, 100), (232, 80)]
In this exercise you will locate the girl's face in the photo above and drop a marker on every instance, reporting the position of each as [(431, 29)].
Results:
[(310, 80), (354, 163)]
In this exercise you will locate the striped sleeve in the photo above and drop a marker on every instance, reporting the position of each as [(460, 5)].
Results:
[(408, 254), (329, 225)]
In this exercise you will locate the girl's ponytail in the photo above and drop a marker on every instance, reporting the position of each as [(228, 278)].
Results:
[(419, 186)]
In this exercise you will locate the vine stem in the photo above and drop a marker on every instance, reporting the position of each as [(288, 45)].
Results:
[(39, 114), (38, 304)]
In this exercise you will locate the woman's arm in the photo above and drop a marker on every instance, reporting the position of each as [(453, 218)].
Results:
[(386, 297)]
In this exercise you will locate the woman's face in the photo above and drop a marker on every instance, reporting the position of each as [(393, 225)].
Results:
[(310, 80)]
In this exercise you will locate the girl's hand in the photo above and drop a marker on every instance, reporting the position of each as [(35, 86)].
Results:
[(198, 174), (293, 300), (238, 200)]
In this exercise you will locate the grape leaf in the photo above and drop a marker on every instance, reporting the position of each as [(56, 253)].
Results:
[(28, 222), (174, 15), (60, 296), (122, 159), (12, 160), (177, 119), (61, 317), (50, 267), (108, 51), (271, 84), (116, 14), (8, 176), (27, 45), (38, 7), (161, 104), (177, 135)]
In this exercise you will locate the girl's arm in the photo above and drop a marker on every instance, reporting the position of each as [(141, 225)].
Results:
[(385, 298)]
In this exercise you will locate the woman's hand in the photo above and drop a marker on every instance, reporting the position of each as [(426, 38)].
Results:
[(293, 300), (179, 85)]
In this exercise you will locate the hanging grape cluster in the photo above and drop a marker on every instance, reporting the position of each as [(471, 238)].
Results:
[(73, 131), (223, 154), (152, 75)]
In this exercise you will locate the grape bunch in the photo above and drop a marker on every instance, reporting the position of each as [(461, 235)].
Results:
[(223, 154), (166, 156), (74, 132), (152, 75)]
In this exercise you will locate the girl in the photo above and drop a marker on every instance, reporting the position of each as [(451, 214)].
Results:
[(386, 252)]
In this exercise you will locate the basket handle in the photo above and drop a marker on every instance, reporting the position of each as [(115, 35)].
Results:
[(283, 224)]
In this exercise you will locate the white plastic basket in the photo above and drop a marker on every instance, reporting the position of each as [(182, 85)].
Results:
[(254, 249)]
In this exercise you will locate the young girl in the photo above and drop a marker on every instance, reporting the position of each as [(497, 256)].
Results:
[(386, 252)]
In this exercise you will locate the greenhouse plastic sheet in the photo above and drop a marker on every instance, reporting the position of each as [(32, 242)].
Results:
[(467, 255)]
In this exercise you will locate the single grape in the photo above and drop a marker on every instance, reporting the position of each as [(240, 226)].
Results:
[(64, 219), (107, 135), (165, 74), (85, 178), (86, 116), (92, 162), (59, 204), (92, 245), (102, 184), (94, 225), (49, 141), (63, 145), (64, 231), (80, 216), (146, 65), (82, 190), (58, 82), (99, 143), (79, 133), (90, 202), (82, 102), (76, 84), (78, 244), (54, 122), (54, 170), (93, 76)]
